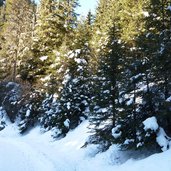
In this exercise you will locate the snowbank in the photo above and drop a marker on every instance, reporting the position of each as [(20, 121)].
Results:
[(151, 124), (39, 152)]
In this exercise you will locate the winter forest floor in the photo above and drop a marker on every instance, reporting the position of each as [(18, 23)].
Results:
[(37, 151)]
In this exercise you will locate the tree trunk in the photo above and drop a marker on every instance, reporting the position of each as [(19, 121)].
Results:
[(15, 66), (151, 108)]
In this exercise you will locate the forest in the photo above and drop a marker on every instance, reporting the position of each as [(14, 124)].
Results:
[(112, 68)]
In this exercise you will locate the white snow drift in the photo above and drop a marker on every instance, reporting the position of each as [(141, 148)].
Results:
[(37, 151)]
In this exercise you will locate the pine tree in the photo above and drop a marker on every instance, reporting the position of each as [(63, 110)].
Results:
[(1, 2), (145, 98), (54, 28), (17, 27), (106, 78), (155, 50), (2, 22), (30, 111), (163, 63), (54, 39), (74, 99)]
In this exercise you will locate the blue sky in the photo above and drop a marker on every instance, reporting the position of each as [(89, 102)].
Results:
[(86, 6)]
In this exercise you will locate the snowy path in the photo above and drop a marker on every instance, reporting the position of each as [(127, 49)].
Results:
[(19, 156), (37, 152)]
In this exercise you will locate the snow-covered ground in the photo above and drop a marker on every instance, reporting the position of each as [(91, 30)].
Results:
[(37, 151)]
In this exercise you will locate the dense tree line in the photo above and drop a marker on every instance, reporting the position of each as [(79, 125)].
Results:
[(112, 68)]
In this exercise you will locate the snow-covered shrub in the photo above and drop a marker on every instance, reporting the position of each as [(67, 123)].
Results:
[(10, 95), (30, 111), (152, 129), (72, 106), (4, 120), (73, 103), (50, 109)]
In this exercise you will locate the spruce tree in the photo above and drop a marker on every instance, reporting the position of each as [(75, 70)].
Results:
[(54, 28), (17, 27), (2, 22), (147, 99), (163, 63), (106, 78), (74, 98)]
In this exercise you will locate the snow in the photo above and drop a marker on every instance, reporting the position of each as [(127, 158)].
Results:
[(151, 124), (169, 8), (4, 120), (28, 113), (146, 13), (162, 139), (80, 61), (68, 105), (37, 151), (43, 58), (128, 141), (136, 77), (21, 157), (71, 55), (67, 77), (168, 99), (116, 133), (66, 123), (139, 100), (139, 144), (46, 78), (10, 84), (130, 102), (102, 110)]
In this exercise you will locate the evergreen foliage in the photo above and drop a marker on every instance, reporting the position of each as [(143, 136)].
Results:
[(30, 111), (16, 33), (112, 68)]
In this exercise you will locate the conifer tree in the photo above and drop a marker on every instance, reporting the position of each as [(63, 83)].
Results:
[(74, 99), (163, 66), (54, 28), (16, 32), (106, 78), (142, 100), (49, 63), (2, 22)]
